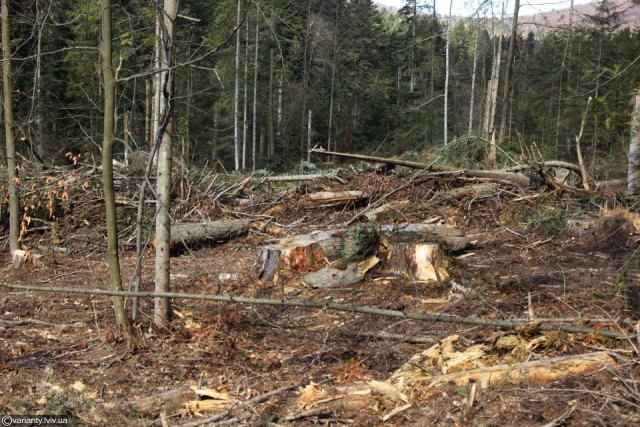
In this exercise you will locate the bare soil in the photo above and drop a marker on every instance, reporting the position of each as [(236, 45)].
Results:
[(61, 353)]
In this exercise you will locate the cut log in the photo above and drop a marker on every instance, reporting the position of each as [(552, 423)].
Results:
[(168, 401), (337, 196), (410, 256), (386, 212), (311, 177), (190, 234)]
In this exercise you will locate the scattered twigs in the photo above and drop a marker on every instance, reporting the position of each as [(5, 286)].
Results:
[(427, 317), (238, 405), (511, 177), (33, 322)]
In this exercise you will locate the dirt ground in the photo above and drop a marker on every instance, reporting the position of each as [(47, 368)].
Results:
[(61, 353)]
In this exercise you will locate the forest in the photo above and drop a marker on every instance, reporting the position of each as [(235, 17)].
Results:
[(291, 213), (341, 75)]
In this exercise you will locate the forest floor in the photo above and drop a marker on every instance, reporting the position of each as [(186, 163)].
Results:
[(61, 353)]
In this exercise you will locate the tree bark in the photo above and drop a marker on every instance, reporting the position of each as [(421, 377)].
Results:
[(255, 93), (473, 77), (236, 96), (115, 277), (446, 78), (189, 234), (245, 123), (14, 202), (163, 183), (509, 70), (633, 173)]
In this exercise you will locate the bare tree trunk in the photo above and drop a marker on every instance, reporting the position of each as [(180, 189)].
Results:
[(446, 78), (115, 277), (245, 123), (333, 78), (271, 144), (305, 77), (279, 112), (255, 92), (412, 77), (163, 183), (633, 174), (236, 96), (492, 92), (35, 115), (473, 79), (567, 43), (509, 70), (14, 202), (309, 132)]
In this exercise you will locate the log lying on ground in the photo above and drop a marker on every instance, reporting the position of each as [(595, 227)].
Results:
[(312, 177), (518, 179), (337, 196), (548, 370), (190, 234)]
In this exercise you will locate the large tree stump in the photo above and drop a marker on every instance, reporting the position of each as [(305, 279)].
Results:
[(189, 234), (413, 256), (299, 253)]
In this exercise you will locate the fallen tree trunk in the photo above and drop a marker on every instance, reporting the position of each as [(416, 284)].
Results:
[(428, 317), (336, 196), (312, 177), (548, 370), (518, 179), (189, 234)]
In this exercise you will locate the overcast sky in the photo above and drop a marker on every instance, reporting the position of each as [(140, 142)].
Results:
[(466, 7)]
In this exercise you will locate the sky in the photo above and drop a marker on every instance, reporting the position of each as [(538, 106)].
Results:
[(463, 7)]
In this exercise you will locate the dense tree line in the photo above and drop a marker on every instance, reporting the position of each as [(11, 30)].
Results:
[(374, 81)]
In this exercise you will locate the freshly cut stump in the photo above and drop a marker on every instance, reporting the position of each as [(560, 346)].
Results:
[(412, 256), (298, 253)]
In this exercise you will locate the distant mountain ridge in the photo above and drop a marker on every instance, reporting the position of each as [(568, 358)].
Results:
[(556, 19)]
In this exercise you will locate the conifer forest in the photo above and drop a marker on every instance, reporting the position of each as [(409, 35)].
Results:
[(319, 212)]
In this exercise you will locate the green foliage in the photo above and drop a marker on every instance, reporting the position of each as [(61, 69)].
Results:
[(359, 64)]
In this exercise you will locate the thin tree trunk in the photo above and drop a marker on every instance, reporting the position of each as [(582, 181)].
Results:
[(633, 173), (236, 96), (509, 69), (446, 78), (10, 142), (305, 77), (255, 92), (333, 79), (412, 77), (163, 183), (115, 277), (309, 135), (245, 123), (279, 112), (271, 144), (473, 79), (562, 68)]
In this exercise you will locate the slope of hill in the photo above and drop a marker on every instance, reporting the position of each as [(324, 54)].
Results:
[(555, 19)]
